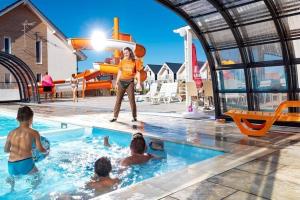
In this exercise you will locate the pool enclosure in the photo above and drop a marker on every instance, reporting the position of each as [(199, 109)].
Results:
[(252, 46)]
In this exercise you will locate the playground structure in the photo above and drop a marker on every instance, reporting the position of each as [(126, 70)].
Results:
[(89, 79)]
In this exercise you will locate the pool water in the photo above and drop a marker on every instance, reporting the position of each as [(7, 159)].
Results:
[(8, 123), (70, 164)]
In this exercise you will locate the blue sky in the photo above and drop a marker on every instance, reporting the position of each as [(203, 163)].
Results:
[(150, 23)]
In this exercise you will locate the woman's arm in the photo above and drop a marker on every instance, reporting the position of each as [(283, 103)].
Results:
[(138, 77)]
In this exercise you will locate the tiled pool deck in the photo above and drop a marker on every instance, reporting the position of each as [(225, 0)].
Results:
[(252, 168)]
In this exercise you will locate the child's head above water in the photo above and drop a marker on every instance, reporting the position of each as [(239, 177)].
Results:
[(25, 114), (102, 167), (138, 143)]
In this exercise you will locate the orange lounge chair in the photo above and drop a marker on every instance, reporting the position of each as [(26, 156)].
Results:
[(241, 118)]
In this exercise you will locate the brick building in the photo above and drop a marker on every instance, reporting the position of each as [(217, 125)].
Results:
[(26, 33)]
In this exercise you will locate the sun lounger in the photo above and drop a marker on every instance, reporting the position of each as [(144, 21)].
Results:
[(241, 118)]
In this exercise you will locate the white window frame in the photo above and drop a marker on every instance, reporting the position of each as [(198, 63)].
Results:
[(9, 43), (41, 52)]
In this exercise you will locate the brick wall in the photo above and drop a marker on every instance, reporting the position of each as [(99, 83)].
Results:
[(11, 25)]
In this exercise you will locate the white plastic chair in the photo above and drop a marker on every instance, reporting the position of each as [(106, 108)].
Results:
[(171, 93), (160, 95)]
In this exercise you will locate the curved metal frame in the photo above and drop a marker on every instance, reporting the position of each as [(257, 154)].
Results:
[(23, 75), (247, 61), (238, 38), (29, 74), (287, 55)]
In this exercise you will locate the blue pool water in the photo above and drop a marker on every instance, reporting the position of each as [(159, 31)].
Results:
[(8, 123), (70, 164)]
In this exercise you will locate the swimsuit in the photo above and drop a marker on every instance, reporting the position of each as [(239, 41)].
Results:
[(20, 167)]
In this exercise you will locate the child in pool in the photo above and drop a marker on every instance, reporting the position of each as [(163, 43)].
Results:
[(19, 144), (138, 148), (101, 181)]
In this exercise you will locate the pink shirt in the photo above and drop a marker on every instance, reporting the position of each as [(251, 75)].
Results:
[(47, 81)]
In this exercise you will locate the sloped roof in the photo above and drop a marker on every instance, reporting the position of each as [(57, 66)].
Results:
[(200, 63), (154, 68), (44, 19), (174, 66)]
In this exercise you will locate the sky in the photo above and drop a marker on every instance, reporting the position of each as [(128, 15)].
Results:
[(150, 23)]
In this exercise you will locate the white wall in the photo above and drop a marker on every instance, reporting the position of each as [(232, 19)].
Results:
[(150, 78), (164, 76), (9, 94), (61, 59)]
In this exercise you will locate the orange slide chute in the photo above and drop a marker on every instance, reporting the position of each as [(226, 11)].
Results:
[(113, 69), (111, 44)]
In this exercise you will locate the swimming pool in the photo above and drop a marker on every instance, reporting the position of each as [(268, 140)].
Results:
[(8, 123), (70, 164)]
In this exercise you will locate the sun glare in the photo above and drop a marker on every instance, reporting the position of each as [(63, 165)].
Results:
[(98, 40)]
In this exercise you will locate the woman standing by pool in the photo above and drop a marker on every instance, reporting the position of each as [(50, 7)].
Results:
[(129, 68), (74, 85)]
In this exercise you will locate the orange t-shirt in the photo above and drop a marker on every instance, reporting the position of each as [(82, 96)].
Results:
[(129, 68)]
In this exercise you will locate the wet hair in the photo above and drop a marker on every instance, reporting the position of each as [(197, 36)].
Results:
[(131, 54), (24, 114), (138, 143), (102, 167)]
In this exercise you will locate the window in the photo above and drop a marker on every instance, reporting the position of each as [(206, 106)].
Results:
[(7, 78), (7, 45), (38, 77), (38, 52)]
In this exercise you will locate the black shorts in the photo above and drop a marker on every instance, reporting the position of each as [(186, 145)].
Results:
[(47, 88)]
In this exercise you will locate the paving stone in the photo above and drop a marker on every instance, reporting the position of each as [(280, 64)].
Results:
[(260, 167), (204, 190), (243, 195), (288, 173), (168, 198), (265, 186)]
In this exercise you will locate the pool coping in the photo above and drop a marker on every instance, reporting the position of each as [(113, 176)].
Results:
[(170, 182)]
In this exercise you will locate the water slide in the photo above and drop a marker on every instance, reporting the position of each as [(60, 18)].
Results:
[(111, 44)]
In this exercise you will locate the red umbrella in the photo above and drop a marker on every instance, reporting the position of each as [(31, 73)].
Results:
[(196, 69)]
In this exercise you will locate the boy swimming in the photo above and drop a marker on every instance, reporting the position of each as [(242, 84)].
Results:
[(102, 181), (138, 148), (19, 144)]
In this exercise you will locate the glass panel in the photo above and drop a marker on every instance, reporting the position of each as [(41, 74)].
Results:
[(228, 57), (269, 78), (292, 25), (269, 101), (175, 2), (230, 3), (233, 79), (211, 22), (198, 8), (266, 52), (259, 32), (233, 101), (296, 45), (221, 39), (250, 13), (298, 75), (287, 6)]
